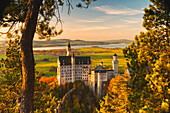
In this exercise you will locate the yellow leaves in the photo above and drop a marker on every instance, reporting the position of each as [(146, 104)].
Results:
[(147, 77), (143, 110), (165, 106), (160, 79), (118, 92), (168, 65), (168, 91), (159, 89)]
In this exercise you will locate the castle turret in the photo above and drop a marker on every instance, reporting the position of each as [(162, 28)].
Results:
[(73, 67), (68, 49), (58, 72), (99, 85), (115, 64), (101, 63)]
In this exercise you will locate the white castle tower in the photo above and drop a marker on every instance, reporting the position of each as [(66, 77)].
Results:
[(115, 64), (73, 67), (68, 49)]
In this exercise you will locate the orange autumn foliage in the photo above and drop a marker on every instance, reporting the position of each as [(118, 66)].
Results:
[(47, 79)]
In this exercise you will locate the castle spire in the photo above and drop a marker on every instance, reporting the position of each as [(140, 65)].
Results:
[(68, 49)]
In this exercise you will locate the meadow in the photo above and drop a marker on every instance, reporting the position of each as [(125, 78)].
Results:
[(97, 55), (2, 56)]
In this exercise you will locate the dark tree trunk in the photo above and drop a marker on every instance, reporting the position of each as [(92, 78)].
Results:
[(28, 58)]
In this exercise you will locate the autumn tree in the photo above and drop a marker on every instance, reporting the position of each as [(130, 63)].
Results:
[(148, 60), (10, 88), (36, 16), (116, 99)]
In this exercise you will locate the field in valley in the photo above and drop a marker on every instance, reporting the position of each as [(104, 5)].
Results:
[(97, 55)]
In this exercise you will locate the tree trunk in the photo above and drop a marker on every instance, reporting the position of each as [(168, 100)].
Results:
[(28, 58)]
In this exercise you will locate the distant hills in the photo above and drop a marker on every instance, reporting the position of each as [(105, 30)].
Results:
[(63, 42)]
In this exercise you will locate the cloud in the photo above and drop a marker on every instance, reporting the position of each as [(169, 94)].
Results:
[(117, 11), (131, 21), (90, 21), (95, 28), (120, 26), (96, 19)]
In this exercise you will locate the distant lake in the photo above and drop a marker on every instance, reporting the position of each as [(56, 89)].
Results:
[(83, 46)]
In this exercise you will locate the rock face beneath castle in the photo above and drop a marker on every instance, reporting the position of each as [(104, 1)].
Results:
[(72, 68)]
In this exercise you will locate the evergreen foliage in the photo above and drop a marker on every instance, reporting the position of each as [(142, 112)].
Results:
[(116, 99), (149, 59), (81, 100), (36, 16), (10, 87)]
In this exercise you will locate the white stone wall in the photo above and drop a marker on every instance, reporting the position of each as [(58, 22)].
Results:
[(65, 73), (110, 74), (115, 66)]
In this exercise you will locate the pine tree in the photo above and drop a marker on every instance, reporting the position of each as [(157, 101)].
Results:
[(36, 16), (76, 105), (116, 99), (144, 56), (10, 88)]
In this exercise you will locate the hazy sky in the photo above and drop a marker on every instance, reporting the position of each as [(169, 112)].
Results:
[(104, 20)]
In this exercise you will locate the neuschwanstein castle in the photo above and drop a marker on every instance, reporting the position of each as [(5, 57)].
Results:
[(72, 68)]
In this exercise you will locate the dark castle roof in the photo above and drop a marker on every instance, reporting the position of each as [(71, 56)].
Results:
[(82, 60), (115, 54), (100, 69), (66, 60)]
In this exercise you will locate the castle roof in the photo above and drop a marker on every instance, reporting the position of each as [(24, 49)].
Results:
[(99, 69), (82, 60), (66, 60), (115, 54)]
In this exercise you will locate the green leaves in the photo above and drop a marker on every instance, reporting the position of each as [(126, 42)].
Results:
[(148, 58), (11, 69)]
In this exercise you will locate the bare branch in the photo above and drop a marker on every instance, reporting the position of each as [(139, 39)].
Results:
[(69, 7)]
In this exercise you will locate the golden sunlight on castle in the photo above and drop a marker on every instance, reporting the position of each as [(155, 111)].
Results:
[(72, 68)]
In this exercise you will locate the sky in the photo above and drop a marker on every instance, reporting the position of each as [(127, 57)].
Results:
[(103, 20)]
